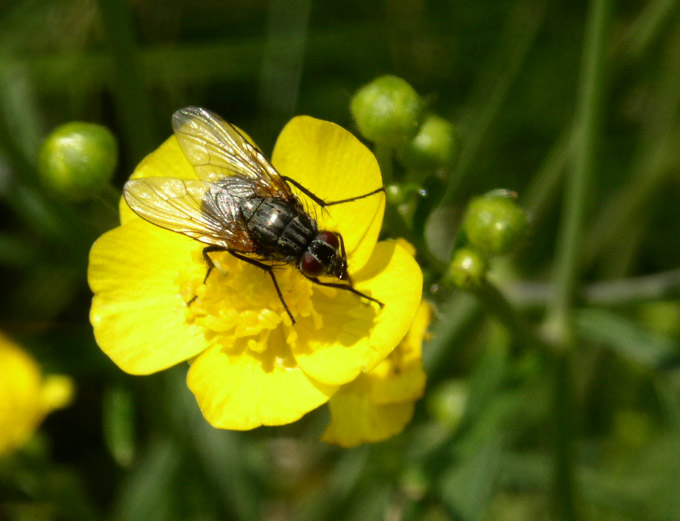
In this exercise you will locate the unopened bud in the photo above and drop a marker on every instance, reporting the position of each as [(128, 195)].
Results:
[(495, 223), (387, 111), (468, 268), (77, 160), (436, 145)]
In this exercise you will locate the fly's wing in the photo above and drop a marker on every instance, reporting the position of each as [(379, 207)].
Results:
[(216, 149), (187, 206)]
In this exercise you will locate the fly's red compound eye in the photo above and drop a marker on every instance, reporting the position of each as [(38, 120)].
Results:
[(310, 266), (330, 238)]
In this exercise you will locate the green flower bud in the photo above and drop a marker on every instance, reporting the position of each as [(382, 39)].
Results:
[(77, 160), (468, 268), (436, 145), (402, 193), (447, 402), (395, 194), (495, 223), (387, 111)]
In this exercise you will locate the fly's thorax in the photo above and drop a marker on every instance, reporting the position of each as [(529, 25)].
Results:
[(324, 256), (224, 199)]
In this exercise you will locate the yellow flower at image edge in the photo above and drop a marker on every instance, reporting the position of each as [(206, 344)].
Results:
[(250, 366), (25, 396), (379, 404)]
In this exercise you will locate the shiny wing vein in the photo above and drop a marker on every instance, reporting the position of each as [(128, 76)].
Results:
[(177, 205), (217, 149)]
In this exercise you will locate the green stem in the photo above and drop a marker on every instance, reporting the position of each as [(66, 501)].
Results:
[(395, 222), (383, 153), (586, 138), (645, 30), (562, 427), (542, 192), (612, 293), (636, 290)]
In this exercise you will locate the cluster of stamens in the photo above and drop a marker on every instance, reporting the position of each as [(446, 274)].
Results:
[(239, 301)]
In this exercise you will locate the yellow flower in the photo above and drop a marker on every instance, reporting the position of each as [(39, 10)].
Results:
[(379, 404), (25, 397), (250, 365)]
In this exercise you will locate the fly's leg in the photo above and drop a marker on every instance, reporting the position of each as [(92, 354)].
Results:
[(269, 269), (347, 287), (323, 203), (209, 262), (341, 201)]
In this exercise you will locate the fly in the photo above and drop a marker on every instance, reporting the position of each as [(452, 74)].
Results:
[(241, 204)]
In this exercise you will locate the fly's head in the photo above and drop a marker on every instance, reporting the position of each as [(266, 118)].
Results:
[(325, 256)]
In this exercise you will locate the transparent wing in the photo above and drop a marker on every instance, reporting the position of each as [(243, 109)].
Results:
[(188, 206), (216, 149)]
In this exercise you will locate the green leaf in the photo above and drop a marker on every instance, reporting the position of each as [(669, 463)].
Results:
[(627, 338)]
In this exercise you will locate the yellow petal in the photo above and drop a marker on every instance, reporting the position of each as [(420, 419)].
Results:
[(57, 392), (334, 165), (20, 407), (408, 384), (357, 335), (239, 389), (401, 376), (138, 313), (167, 160), (356, 420)]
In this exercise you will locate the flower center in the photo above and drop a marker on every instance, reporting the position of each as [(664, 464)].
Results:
[(238, 302)]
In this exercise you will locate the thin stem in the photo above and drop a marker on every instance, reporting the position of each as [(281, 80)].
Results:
[(636, 290), (646, 29), (395, 222), (543, 189), (586, 138), (383, 153), (612, 293), (562, 427), (586, 134)]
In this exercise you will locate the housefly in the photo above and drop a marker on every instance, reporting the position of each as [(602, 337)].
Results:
[(240, 204)]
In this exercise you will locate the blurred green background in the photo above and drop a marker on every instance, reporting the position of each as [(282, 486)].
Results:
[(556, 100)]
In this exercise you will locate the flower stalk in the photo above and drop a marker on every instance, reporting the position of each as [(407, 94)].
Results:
[(570, 238)]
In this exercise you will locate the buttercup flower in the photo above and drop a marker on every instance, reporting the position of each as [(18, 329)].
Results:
[(250, 365), (380, 403), (25, 396)]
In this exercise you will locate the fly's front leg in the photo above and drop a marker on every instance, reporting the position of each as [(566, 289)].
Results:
[(208, 260), (269, 269), (323, 203), (349, 288), (210, 264)]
